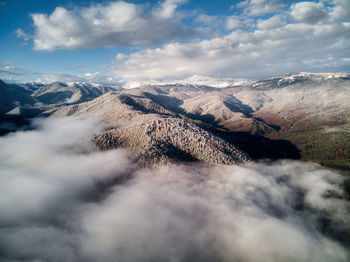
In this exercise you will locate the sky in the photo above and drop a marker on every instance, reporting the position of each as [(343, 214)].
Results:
[(123, 41)]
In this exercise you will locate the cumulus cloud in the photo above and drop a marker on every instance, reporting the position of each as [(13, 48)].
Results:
[(239, 22), (341, 10), (233, 23), (113, 24), (272, 22), (168, 7), (269, 37), (60, 200), (260, 7), (308, 12), (273, 47), (214, 24)]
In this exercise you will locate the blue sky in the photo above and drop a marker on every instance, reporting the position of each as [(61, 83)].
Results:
[(115, 41)]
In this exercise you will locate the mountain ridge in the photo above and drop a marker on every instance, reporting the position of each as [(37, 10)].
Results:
[(279, 114)]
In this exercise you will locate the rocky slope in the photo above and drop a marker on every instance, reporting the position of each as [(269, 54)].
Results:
[(157, 135), (160, 140)]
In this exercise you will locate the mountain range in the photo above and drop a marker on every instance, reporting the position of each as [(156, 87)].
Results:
[(297, 116)]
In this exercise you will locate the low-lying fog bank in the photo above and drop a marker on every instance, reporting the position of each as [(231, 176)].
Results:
[(61, 200)]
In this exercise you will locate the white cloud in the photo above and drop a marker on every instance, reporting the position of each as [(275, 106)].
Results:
[(96, 77), (272, 22), (308, 12), (20, 34), (243, 54), (168, 7), (222, 214), (305, 36), (341, 10), (260, 7), (43, 168), (7, 69), (49, 78), (114, 24), (237, 22), (214, 24), (92, 74), (211, 21), (62, 201), (272, 48)]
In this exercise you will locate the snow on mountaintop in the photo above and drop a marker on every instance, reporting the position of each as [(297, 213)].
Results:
[(325, 75), (216, 82), (292, 76), (92, 84), (198, 80), (195, 80)]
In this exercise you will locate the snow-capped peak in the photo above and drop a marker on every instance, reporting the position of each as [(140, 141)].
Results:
[(216, 82), (195, 80), (324, 75)]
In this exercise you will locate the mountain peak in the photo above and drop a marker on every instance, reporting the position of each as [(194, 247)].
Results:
[(195, 80)]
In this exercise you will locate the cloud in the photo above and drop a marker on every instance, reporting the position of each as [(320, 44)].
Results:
[(96, 77), (20, 34), (211, 21), (214, 24), (92, 74), (260, 7), (272, 22), (308, 12), (7, 69), (49, 78), (113, 24), (60, 200), (273, 47), (168, 8), (341, 10), (47, 166), (233, 23), (221, 214), (267, 38)]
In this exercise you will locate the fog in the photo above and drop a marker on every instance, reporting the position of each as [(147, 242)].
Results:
[(62, 200)]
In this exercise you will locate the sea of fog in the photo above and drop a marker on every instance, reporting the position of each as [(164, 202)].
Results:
[(62, 200)]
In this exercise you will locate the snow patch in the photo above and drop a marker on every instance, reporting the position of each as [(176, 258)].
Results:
[(195, 80)]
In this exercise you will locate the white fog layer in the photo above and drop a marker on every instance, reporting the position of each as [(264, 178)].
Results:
[(62, 200)]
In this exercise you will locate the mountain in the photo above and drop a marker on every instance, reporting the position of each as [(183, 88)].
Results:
[(58, 92), (195, 80), (22, 97), (12, 95), (22, 101), (156, 134), (298, 115)]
